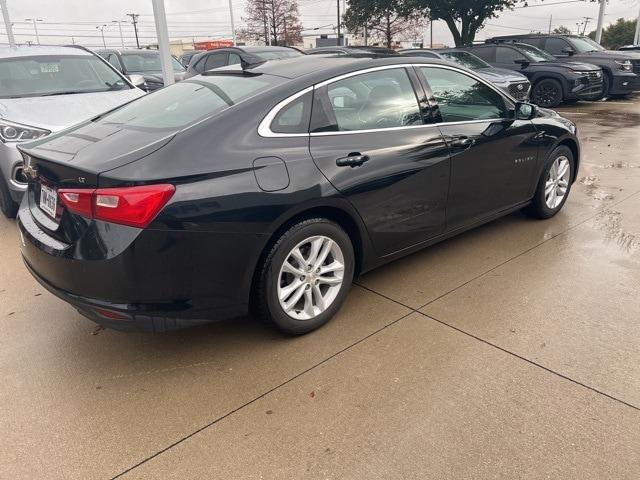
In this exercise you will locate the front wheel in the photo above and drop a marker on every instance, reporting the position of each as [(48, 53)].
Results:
[(306, 276), (554, 184), (8, 207), (547, 93)]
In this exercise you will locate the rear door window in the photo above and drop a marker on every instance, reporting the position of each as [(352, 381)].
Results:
[(488, 54), (294, 118), (376, 100), (215, 61), (508, 55), (555, 46)]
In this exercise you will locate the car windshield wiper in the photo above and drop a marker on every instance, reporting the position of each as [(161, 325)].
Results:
[(60, 93)]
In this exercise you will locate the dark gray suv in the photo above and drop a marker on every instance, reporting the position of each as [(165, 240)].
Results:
[(621, 69)]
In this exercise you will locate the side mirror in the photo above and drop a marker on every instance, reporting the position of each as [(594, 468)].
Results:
[(521, 61), (568, 51), (526, 111), (137, 80)]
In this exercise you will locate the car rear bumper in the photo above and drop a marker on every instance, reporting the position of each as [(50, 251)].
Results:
[(151, 280)]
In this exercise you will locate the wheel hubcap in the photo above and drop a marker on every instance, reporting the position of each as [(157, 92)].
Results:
[(310, 277), (557, 182)]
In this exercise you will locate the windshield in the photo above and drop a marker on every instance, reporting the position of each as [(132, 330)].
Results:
[(466, 59), (147, 62), (585, 44), (187, 102), (56, 75), (536, 54)]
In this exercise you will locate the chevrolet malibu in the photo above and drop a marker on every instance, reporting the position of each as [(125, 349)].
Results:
[(268, 188)]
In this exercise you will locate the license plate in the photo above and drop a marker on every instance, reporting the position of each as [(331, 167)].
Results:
[(48, 200)]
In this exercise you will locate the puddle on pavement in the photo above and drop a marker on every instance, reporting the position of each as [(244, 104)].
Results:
[(592, 189), (618, 119), (610, 222)]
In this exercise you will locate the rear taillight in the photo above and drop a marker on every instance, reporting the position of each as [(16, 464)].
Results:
[(133, 206)]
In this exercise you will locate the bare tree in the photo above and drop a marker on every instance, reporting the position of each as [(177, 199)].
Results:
[(387, 20), (275, 22)]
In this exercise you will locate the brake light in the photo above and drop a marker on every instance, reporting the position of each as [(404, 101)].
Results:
[(133, 206)]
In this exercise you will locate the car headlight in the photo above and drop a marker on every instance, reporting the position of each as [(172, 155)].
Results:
[(627, 66), (14, 132)]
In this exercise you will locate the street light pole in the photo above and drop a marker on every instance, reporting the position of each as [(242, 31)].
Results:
[(636, 37), (7, 23), (162, 33), (338, 8), (120, 28), (35, 27), (101, 27), (233, 28), (603, 5)]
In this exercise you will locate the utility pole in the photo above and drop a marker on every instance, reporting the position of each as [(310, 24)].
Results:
[(134, 20), (550, 21), (101, 27), (120, 28), (35, 27), (162, 33), (233, 28), (586, 22), (338, 8), (636, 37), (7, 23), (603, 5), (366, 35), (431, 33)]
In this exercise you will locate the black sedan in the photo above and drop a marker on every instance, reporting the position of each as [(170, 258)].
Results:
[(268, 189)]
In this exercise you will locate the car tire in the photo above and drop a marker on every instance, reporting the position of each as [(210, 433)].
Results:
[(606, 87), (278, 286), (543, 204), (547, 93), (8, 207)]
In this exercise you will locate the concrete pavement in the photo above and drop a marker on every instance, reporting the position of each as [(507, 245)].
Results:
[(508, 352)]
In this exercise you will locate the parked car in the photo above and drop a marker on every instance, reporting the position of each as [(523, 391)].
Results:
[(621, 69), (195, 204), (141, 62), (222, 57), (553, 81), (514, 83), (186, 57), (44, 90), (351, 50)]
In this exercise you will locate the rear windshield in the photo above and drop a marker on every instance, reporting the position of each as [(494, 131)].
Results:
[(185, 103), (56, 75)]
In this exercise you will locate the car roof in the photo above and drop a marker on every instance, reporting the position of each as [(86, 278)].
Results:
[(319, 67), (536, 35), (258, 49), (129, 51), (35, 50)]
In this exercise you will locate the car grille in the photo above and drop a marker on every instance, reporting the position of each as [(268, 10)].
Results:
[(594, 78), (519, 90)]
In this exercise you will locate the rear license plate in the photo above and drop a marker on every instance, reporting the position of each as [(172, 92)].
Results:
[(48, 200)]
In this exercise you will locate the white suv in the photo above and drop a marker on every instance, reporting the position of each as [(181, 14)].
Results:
[(44, 90)]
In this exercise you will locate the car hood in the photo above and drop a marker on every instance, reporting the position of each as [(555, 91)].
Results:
[(578, 66), (500, 75), (62, 111)]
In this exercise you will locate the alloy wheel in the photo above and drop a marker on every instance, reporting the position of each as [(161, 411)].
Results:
[(547, 95), (310, 277), (557, 182)]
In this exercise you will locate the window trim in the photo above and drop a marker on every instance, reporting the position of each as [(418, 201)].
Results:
[(264, 128)]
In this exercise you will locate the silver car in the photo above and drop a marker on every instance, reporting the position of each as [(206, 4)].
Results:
[(45, 90)]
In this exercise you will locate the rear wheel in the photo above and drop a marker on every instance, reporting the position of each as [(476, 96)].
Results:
[(306, 276), (554, 184), (547, 93), (8, 207)]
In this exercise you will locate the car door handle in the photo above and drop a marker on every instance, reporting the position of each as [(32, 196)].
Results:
[(461, 142), (352, 160)]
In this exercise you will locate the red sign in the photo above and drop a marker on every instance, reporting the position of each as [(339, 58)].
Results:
[(213, 44)]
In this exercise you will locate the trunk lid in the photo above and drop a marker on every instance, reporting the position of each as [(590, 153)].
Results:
[(75, 159)]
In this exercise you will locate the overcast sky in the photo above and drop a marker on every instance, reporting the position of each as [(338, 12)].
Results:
[(64, 20)]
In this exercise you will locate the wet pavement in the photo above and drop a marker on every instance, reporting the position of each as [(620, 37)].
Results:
[(511, 351)]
